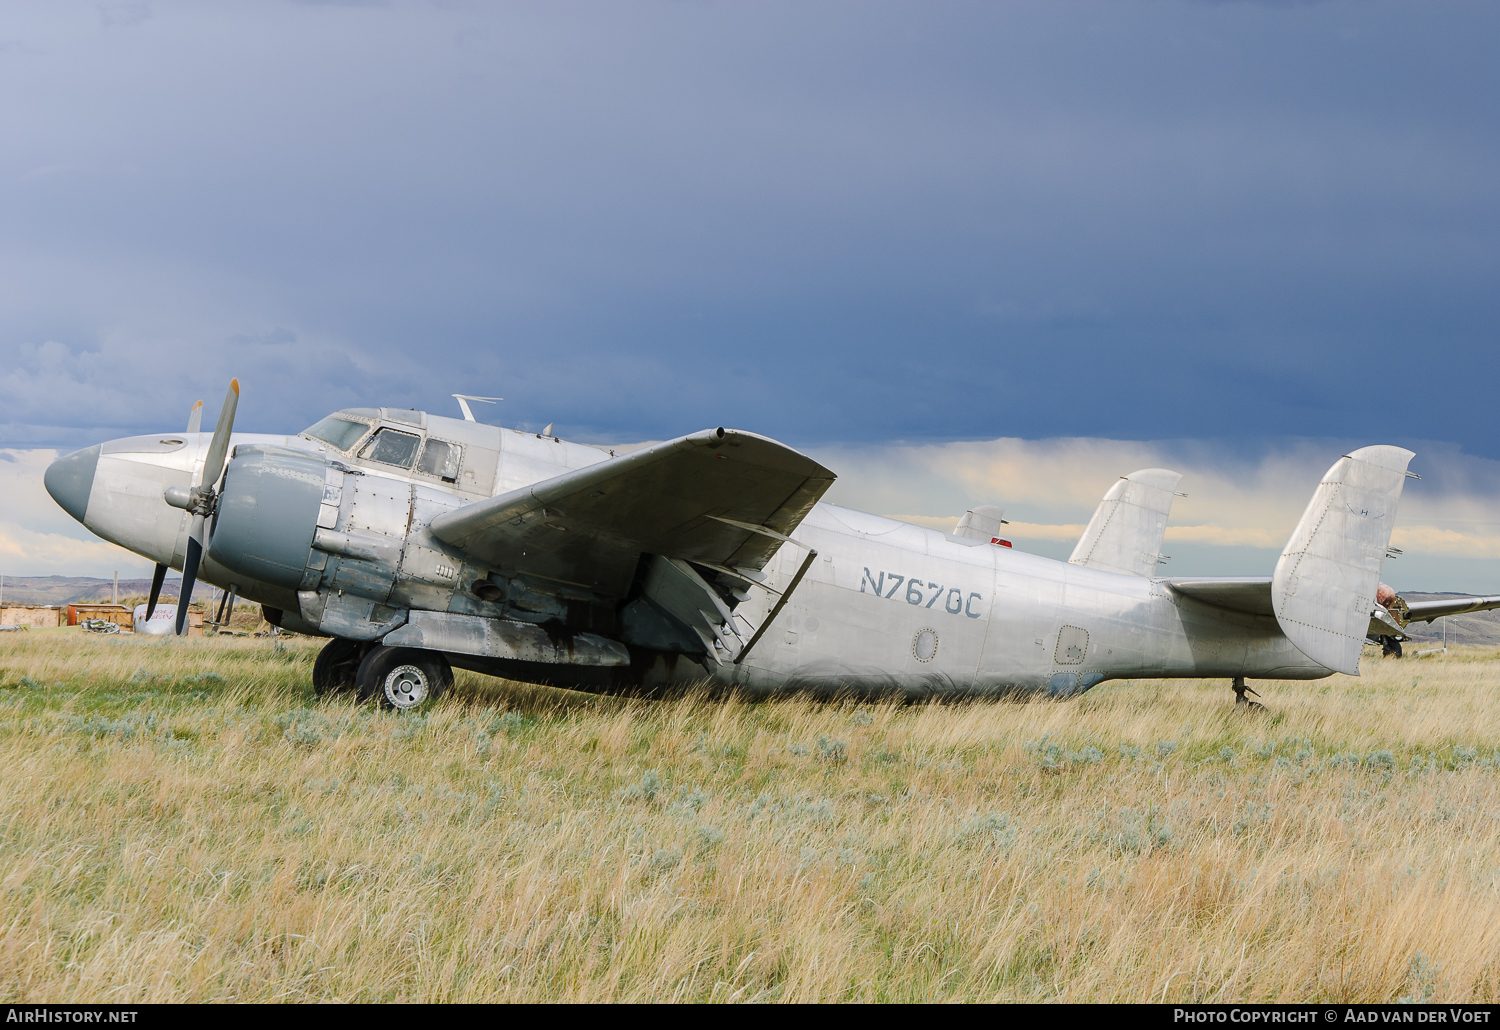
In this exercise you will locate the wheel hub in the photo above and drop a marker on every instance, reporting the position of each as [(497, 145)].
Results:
[(406, 686)]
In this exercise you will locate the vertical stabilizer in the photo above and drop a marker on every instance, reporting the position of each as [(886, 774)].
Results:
[(982, 523), (1324, 587), (1125, 533)]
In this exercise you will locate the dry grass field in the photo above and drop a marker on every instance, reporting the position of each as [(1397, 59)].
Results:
[(183, 821)]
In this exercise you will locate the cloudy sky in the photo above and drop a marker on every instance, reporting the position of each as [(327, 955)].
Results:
[(964, 252)]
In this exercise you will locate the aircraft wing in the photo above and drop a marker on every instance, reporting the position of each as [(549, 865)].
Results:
[(1426, 611), (1250, 594), (719, 497)]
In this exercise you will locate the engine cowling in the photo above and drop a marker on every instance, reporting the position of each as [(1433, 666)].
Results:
[(267, 514)]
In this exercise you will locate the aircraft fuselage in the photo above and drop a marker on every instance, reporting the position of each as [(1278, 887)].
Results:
[(885, 607)]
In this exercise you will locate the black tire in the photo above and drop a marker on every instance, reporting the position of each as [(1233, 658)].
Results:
[(403, 677), (337, 666), (1390, 647)]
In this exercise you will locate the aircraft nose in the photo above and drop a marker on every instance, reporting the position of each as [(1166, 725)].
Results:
[(70, 479)]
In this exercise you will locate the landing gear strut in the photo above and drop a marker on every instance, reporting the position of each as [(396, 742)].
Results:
[(1240, 690), (337, 666)]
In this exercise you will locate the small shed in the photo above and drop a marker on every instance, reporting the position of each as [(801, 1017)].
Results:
[(116, 613), (36, 616)]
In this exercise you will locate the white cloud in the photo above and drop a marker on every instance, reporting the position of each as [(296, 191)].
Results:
[(1222, 536), (1050, 488), (25, 552), (1436, 540), (37, 538)]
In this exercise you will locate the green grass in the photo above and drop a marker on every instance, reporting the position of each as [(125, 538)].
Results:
[(183, 820)]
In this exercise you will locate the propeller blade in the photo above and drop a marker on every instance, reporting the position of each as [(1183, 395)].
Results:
[(157, 578), (213, 464), (189, 573), (195, 419)]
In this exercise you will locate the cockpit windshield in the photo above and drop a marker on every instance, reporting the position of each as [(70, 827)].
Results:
[(392, 447), (342, 433)]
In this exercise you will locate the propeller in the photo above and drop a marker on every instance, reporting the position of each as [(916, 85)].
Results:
[(202, 500), (156, 581), (195, 424)]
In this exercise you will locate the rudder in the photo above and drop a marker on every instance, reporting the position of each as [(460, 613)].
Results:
[(1126, 531), (1323, 589)]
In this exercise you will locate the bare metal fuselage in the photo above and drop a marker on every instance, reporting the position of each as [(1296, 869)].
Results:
[(885, 607), (1002, 620)]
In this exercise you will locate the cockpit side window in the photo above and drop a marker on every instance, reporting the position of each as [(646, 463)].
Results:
[(343, 433), (440, 458), (391, 447)]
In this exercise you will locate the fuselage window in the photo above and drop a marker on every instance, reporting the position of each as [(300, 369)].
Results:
[(390, 447), (343, 433), (440, 458)]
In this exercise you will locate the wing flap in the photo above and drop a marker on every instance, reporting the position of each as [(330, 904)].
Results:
[(706, 498)]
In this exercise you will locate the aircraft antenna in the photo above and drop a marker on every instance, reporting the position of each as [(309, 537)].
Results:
[(464, 399)]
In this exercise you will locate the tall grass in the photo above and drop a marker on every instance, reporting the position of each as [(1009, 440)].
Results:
[(182, 820)]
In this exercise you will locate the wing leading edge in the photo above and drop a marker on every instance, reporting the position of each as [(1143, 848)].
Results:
[(719, 498), (1426, 611)]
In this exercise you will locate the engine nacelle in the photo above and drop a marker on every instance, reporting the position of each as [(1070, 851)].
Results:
[(356, 548), (268, 513)]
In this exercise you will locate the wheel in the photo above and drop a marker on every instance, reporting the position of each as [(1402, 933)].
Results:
[(403, 677), (337, 666), (1390, 647)]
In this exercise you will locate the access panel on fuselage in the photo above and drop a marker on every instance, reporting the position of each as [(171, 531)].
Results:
[(1024, 622)]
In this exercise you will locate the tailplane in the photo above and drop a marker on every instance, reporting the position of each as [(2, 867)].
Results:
[(1324, 587), (1126, 531)]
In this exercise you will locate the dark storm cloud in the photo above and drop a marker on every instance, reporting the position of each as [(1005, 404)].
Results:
[(836, 222)]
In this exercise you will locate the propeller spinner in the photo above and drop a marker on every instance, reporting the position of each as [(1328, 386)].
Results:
[(202, 500)]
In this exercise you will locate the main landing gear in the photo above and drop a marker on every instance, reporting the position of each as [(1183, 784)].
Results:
[(403, 677), (337, 666), (396, 677), (1390, 647), (1240, 690)]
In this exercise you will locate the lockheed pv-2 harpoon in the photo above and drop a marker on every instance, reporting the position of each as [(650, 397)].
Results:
[(418, 543)]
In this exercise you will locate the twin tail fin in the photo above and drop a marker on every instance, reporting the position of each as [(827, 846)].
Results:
[(1323, 589)]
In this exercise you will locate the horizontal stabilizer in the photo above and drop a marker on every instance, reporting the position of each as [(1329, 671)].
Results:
[(1126, 531), (1323, 589), (1250, 594)]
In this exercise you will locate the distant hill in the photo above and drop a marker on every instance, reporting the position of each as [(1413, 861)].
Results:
[(67, 589)]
